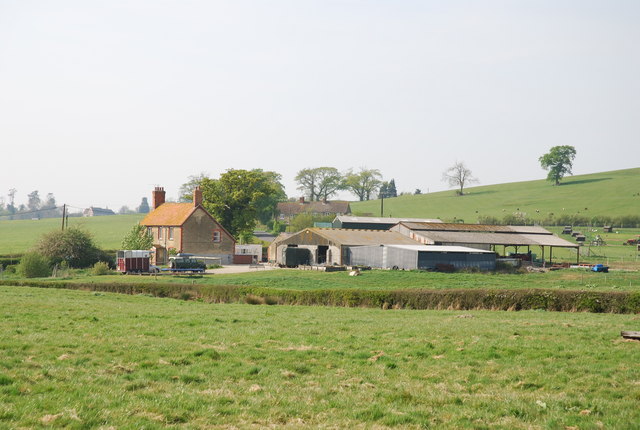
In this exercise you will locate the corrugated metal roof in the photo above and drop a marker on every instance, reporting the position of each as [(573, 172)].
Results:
[(425, 226), (442, 248), (383, 220), (345, 237), (489, 238), (169, 214)]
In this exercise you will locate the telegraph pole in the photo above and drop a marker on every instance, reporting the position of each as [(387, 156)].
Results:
[(64, 212)]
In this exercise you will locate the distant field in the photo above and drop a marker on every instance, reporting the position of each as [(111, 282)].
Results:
[(613, 194), (108, 231), (72, 359)]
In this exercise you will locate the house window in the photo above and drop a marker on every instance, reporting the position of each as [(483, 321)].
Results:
[(150, 231), (159, 233), (216, 236), (170, 233)]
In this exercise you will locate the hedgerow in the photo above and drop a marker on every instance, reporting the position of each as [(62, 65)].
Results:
[(454, 299)]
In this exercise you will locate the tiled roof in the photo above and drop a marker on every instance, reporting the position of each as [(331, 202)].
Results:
[(169, 214), (332, 207)]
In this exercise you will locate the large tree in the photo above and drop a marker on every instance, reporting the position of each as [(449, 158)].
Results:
[(558, 161), (329, 181), (388, 189), (34, 201), (458, 176), (307, 180), (186, 190), (238, 196), (364, 183)]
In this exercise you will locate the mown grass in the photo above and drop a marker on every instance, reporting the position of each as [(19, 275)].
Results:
[(607, 193), (20, 235), (93, 360), (568, 279)]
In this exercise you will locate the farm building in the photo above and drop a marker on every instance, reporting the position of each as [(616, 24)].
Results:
[(187, 228), (486, 237), (373, 223), (247, 254), (288, 210), (93, 211), (332, 246), (422, 257)]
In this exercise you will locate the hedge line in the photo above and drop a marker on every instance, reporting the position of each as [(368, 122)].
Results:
[(454, 299)]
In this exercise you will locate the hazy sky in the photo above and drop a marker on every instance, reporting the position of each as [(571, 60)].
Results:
[(102, 100)]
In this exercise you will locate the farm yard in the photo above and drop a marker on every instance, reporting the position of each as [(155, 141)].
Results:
[(79, 359)]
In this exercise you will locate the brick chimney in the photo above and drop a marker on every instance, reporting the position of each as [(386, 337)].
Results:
[(197, 196), (157, 196)]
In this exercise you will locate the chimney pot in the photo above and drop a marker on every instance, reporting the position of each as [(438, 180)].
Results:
[(197, 196), (158, 196)]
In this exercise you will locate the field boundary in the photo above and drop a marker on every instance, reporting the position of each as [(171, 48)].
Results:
[(620, 302)]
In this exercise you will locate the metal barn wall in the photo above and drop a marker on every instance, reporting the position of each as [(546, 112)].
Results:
[(364, 256), (401, 258), (429, 260)]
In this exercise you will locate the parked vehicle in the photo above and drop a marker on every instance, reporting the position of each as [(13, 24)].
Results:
[(133, 261), (186, 263), (600, 268)]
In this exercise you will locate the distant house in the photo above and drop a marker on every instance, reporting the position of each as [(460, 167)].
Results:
[(93, 211), (288, 210), (186, 228)]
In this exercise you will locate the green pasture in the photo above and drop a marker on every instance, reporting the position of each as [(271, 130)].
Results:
[(612, 194), (74, 359), (292, 279), (17, 236)]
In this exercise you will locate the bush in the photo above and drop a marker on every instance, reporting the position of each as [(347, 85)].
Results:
[(100, 268), (34, 265), (72, 245)]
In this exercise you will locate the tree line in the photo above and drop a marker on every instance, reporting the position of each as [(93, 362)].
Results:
[(36, 206), (321, 183)]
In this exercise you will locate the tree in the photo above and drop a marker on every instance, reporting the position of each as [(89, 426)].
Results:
[(50, 202), (236, 197), (144, 206), (34, 265), (72, 245), (308, 180), (329, 181), (459, 176), (267, 204), (388, 189), (558, 161), (137, 238), (186, 190), (33, 202), (11, 207), (363, 183)]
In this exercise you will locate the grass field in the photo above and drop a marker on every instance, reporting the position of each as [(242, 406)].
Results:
[(291, 279), (613, 194), (16, 237), (76, 359)]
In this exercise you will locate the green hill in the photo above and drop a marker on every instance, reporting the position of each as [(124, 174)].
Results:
[(17, 237), (607, 194)]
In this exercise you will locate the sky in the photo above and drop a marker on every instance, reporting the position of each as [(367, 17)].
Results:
[(100, 101)]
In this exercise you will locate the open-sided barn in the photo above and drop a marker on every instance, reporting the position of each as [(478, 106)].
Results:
[(487, 237)]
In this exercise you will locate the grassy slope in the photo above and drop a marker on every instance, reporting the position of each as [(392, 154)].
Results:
[(607, 193), (108, 231), (76, 359)]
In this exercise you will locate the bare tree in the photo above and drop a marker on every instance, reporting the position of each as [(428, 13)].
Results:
[(459, 176)]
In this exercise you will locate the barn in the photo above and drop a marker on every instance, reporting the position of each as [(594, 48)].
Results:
[(329, 246), (422, 257), (487, 237), (374, 223)]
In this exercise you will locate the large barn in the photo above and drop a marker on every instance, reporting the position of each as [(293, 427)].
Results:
[(330, 246), (486, 237), (373, 223)]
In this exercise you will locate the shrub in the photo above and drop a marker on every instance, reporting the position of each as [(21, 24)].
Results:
[(72, 245), (100, 268), (34, 265)]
